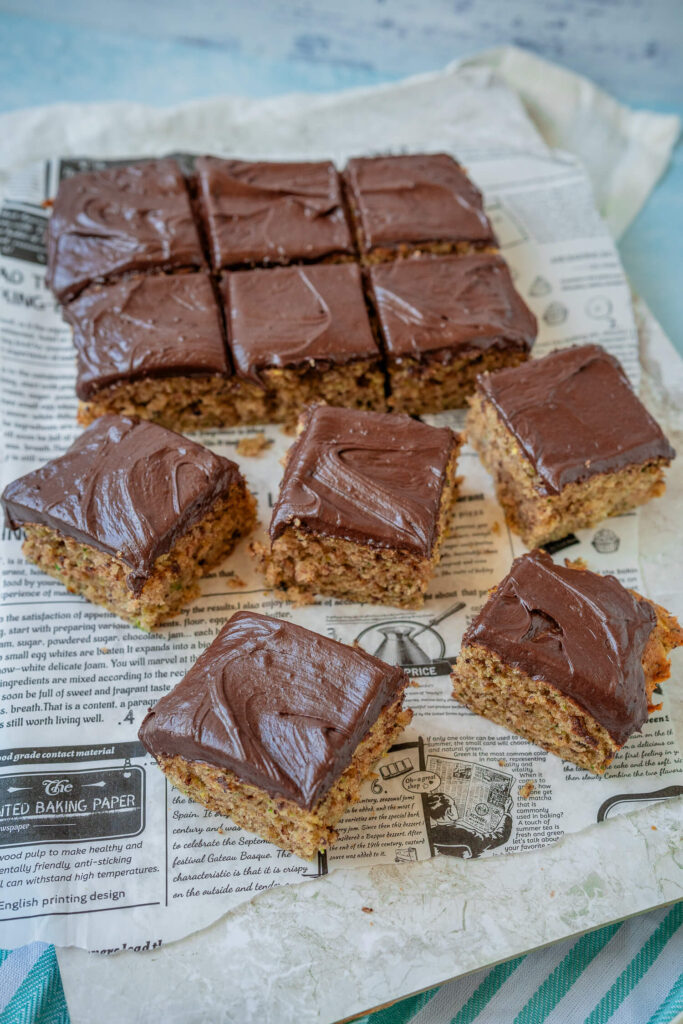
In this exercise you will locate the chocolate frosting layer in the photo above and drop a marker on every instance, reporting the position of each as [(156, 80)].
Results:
[(575, 415), (450, 305), (272, 212), (290, 316), (126, 487), (106, 223), (581, 633), (282, 707), (368, 477), (152, 326), (425, 197)]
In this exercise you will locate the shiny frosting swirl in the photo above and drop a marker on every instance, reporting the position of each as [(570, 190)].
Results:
[(291, 316), (581, 633), (122, 219), (425, 197), (450, 305), (574, 414), (126, 487), (270, 212), (282, 707), (367, 477)]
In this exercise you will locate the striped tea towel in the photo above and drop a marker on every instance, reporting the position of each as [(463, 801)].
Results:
[(626, 973)]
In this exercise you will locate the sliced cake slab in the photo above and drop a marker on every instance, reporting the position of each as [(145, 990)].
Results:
[(443, 321), (153, 346), (131, 517), (567, 441), (566, 658), (300, 335), (277, 727), (258, 213), (363, 509), (418, 204)]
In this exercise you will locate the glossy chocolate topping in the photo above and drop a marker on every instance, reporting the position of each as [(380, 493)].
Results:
[(272, 212), (421, 198), (153, 326), (282, 707), (106, 223), (575, 415), (367, 477), (126, 487), (290, 316), (582, 633), (450, 305)]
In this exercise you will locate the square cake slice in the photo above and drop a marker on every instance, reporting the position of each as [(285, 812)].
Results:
[(565, 658), (300, 335), (444, 320), (123, 219), (408, 205), (364, 505), (277, 727), (153, 346), (567, 441), (131, 517), (259, 213)]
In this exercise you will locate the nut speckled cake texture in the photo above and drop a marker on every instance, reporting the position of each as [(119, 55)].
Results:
[(277, 727), (363, 508), (567, 441), (131, 516), (302, 334), (444, 320), (153, 346), (567, 658)]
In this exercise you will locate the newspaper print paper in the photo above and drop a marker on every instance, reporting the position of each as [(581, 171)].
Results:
[(95, 849)]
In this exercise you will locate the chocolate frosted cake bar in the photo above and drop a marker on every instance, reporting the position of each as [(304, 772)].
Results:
[(262, 213), (565, 658), (300, 335), (444, 320), (277, 727), (411, 205), (121, 220), (153, 346), (363, 508), (567, 441), (131, 517)]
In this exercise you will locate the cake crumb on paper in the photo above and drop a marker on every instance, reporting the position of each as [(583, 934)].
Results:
[(254, 446), (235, 582), (526, 790)]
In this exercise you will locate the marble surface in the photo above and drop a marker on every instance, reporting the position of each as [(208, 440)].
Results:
[(276, 960), (161, 54)]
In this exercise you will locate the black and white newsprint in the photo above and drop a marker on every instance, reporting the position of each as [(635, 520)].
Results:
[(95, 848)]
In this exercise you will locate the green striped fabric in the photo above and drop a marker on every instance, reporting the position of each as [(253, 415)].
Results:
[(625, 973), (31, 986)]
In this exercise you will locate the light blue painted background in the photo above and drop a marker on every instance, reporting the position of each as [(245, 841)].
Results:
[(166, 51)]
